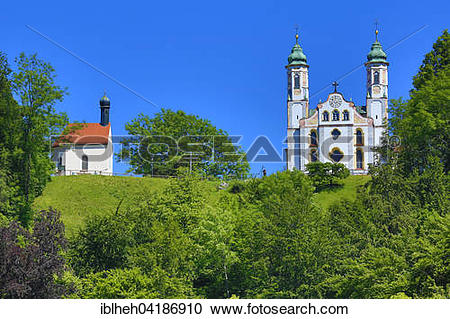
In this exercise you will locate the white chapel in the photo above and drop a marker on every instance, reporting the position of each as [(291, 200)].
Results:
[(87, 147), (336, 130)]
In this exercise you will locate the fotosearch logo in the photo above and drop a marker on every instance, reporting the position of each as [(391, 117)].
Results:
[(192, 148)]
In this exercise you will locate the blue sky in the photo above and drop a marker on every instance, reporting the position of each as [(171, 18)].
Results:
[(221, 60)]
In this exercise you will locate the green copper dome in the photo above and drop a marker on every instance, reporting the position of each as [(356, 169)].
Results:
[(376, 53), (297, 57)]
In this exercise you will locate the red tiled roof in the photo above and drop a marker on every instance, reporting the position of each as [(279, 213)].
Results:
[(89, 133)]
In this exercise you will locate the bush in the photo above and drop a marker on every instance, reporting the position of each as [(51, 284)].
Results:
[(31, 261)]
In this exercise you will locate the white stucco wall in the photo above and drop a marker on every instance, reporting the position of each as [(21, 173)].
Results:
[(346, 142), (100, 158)]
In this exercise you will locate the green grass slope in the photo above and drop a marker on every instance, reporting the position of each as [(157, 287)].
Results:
[(347, 191), (78, 197)]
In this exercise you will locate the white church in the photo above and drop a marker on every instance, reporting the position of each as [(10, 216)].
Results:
[(87, 148), (337, 130)]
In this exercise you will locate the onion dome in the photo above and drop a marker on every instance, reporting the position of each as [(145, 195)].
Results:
[(297, 57), (104, 101), (376, 53)]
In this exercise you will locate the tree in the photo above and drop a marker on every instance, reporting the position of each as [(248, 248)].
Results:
[(327, 174), (33, 82), (31, 261), (435, 62), (423, 122), (170, 140), (10, 146)]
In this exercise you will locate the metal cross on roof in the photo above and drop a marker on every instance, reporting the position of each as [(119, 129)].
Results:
[(335, 84)]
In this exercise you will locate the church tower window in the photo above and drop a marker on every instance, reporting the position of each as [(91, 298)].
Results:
[(325, 116), (84, 163), (313, 140), (359, 137), (345, 115), (335, 115), (376, 77), (296, 81)]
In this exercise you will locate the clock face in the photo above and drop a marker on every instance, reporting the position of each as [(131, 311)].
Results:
[(335, 101)]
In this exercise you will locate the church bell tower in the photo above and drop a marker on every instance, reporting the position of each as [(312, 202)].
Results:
[(377, 83), (297, 101)]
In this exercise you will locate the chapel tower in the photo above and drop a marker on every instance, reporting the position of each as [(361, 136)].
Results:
[(105, 104)]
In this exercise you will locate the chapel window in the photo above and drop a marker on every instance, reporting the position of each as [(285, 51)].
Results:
[(84, 163)]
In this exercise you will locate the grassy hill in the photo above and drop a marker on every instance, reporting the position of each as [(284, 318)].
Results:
[(78, 197), (347, 191)]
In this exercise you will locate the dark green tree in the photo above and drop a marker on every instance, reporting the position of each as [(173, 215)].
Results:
[(170, 140)]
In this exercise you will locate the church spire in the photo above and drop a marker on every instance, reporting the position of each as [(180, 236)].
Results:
[(297, 57), (376, 54)]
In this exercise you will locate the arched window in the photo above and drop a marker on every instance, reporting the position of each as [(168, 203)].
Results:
[(313, 141), (325, 116), (335, 115), (335, 133), (376, 77), (359, 159), (359, 137), (336, 155), (296, 81), (313, 155), (346, 115), (84, 163)]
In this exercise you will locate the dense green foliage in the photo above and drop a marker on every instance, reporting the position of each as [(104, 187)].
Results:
[(171, 140), (423, 122), (266, 239), (25, 128), (9, 144)]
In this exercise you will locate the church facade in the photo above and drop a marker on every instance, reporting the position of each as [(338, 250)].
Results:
[(87, 147), (336, 130)]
